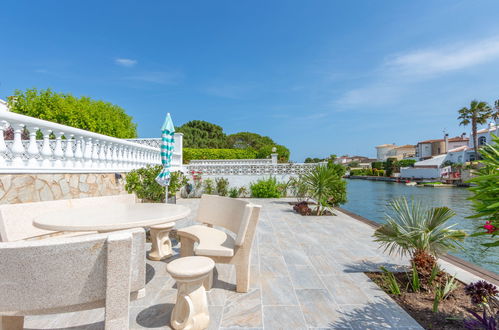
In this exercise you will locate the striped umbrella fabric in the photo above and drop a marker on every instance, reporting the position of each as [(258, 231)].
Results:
[(167, 145)]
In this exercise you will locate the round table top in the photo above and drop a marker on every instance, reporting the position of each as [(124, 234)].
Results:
[(116, 216)]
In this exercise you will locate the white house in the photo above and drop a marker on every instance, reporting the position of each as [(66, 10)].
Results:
[(383, 150), (484, 136), (429, 148), (425, 169)]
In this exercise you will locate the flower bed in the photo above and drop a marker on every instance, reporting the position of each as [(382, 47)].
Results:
[(452, 312)]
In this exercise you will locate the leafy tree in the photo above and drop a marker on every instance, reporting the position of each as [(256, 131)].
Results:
[(486, 190), (282, 151), (313, 160), (245, 140), (421, 232), (83, 112), (391, 166), (476, 114), (202, 134)]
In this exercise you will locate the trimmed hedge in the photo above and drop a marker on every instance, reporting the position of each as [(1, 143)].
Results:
[(191, 153)]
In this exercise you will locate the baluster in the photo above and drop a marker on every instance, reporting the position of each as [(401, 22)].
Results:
[(3, 146), (109, 156), (102, 154), (33, 151), (116, 163), (79, 152), (58, 152), (46, 150), (95, 154), (69, 152), (126, 158), (17, 148), (131, 157), (87, 154)]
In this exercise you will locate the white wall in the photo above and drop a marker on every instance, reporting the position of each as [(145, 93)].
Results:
[(245, 180), (420, 173), (382, 152), (423, 150)]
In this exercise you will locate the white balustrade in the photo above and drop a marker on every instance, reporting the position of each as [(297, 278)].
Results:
[(66, 149)]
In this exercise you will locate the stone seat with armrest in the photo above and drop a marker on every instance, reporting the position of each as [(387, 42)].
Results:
[(237, 216)]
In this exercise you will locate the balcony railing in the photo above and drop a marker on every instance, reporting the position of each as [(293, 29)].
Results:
[(66, 149)]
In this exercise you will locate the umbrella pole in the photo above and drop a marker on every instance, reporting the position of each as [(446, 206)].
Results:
[(166, 194)]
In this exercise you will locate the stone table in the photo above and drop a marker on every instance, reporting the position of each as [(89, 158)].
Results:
[(112, 217)]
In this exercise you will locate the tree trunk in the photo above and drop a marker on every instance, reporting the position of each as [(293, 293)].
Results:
[(475, 138)]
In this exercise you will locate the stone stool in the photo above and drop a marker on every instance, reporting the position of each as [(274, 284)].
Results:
[(161, 244), (191, 308)]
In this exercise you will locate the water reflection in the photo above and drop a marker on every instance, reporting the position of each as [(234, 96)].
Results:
[(370, 198)]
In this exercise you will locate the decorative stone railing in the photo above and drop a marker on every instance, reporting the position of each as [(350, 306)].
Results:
[(177, 159), (249, 169), (231, 161), (72, 150)]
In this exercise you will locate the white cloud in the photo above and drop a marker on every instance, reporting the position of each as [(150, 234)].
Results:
[(400, 72), (430, 62), (126, 62)]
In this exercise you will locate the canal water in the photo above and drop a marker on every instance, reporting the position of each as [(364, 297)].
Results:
[(370, 198)]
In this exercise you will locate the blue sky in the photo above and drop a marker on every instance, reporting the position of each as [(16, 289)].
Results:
[(320, 77)]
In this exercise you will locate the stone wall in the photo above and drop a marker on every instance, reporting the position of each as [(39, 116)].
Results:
[(24, 188)]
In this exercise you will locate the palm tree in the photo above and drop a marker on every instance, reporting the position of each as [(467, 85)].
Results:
[(495, 114), (418, 231), (477, 113), (325, 185)]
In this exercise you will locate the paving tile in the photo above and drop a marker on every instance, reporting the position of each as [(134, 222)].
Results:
[(318, 307), (215, 317), (243, 310), (324, 265), (283, 317), (344, 289), (155, 316), (295, 256), (278, 291), (272, 266), (304, 277), (269, 250)]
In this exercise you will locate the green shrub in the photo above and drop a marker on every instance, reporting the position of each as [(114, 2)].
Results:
[(265, 188), (233, 192), (378, 165), (406, 163), (143, 183), (222, 186), (80, 112), (190, 154), (208, 187)]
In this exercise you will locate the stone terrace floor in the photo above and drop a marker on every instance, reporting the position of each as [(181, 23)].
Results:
[(306, 272)]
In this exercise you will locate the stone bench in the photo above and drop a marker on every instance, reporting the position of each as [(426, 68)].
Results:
[(236, 216), (72, 274), (191, 307)]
